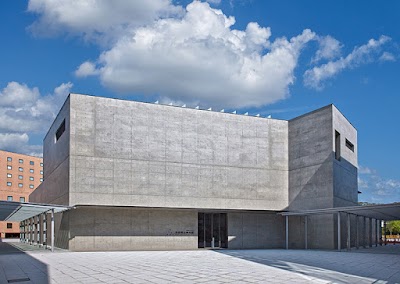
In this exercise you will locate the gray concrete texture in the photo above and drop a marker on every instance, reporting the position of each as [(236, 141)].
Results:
[(126, 153)]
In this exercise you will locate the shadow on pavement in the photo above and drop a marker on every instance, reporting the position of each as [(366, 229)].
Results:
[(336, 267), (17, 266)]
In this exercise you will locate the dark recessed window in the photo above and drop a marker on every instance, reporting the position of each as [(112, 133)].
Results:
[(20, 177), (60, 130), (9, 225), (337, 145), (21, 169), (9, 159), (41, 164), (9, 198), (31, 163), (31, 178), (20, 185), (31, 186), (9, 167), (9, 175), (350, 145), (22, 199), (31, 171), (9, 183), (21, 161)]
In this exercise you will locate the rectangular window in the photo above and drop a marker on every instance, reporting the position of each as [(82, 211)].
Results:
[(9, 183), (9, 167), (20, 169), (31, 170), (337, 145), (41, 172), (20, 185), (350, 145), (9, 175), (60, 130), (21, 161), (9, 159), (22, 199), (31, 163), (41, 164), (9, 198), (20, 177), (31, 178), (31, 186), (41, 179), (9, 225)]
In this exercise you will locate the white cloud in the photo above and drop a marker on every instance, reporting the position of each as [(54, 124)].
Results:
[(201, 58), (214, 2), (365, 170), (375, 188), (96, 19), (329, 48), (19, 142), (23, 111), (315, 77), (387, 56), (87, 68)]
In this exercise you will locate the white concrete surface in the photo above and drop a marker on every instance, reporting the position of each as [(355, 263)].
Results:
[(203, 266)]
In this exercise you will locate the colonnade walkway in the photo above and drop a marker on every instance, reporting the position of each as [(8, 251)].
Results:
[(370, 265)]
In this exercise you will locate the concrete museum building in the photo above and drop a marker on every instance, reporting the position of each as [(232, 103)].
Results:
[(146, 176)]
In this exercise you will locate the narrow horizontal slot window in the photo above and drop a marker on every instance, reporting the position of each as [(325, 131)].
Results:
[(350, 145), (60, 130)]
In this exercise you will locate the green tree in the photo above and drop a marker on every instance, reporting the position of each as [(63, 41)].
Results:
[(393, 227)]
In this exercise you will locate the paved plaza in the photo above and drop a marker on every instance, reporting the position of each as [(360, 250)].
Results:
[(19, 263)]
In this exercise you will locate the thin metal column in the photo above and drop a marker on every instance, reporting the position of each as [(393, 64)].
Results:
[(305, 232), (287, 232), (370, 232), (38, 228), (376, 232), (348, 232), (52, 230), (384, 230), (357, 233), (338, 231), (365, 232)]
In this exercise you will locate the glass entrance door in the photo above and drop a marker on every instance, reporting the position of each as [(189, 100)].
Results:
[(212, 230)]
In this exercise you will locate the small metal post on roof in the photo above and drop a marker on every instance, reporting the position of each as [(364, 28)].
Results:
[(338, 231), (348, 232), (305, 231), (52, 229), (287, 232)]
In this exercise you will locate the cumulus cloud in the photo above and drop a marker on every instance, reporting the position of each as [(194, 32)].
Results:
[(191, 54), (87, 68), (329, 48), (387, 56), (376, 188), (315, 77), (96, 19), (23, 111), (201, 58)]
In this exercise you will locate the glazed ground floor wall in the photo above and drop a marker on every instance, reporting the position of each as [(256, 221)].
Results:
[(89, 228)]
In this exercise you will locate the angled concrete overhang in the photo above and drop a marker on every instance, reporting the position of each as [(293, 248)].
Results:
[(18, 211), (385, 212)]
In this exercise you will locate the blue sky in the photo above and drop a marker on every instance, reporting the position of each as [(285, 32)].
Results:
[(279, 58)]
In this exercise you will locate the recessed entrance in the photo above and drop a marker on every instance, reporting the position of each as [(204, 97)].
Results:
[(213, 230)]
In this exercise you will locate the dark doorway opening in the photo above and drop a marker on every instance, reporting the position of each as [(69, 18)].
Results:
[(213, 230), (12, 235)]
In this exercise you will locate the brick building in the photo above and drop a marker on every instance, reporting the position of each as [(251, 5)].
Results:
[(19, 176)]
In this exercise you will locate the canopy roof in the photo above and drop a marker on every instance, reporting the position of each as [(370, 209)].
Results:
[(381, 212), (18, 211)]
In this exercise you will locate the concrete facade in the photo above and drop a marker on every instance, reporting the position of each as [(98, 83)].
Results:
[(163, 165)]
